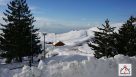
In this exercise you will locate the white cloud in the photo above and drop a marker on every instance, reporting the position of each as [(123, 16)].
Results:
[(50, 25), (117, 24), (43, 21), (33, 7)]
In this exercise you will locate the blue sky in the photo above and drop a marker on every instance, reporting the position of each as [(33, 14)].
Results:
[(64, 15)]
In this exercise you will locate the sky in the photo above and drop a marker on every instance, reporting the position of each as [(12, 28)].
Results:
[(60, 16)]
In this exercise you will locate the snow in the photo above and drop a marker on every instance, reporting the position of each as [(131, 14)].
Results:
[(71, 35), (86, 68), (73, 38), (2, 61), (134, 23), (91, 31), (83, 50), (3, 73), (41, 64), (65, 58), (74, 59), (89, 67)]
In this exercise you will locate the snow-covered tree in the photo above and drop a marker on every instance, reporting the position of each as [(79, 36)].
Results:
[(126, 38), (18, 37), (103, 42)]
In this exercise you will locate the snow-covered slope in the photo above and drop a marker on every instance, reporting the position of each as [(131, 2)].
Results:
[(72, 35), (75, 37)]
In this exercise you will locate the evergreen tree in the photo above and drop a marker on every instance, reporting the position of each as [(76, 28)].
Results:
[(126, 38), (103, 42), (19, 38)]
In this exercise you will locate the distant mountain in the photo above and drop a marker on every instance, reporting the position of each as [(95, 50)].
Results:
[(74, 37)]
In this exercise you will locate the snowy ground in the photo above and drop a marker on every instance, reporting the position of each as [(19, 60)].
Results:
[(91, 67), (75, 59)]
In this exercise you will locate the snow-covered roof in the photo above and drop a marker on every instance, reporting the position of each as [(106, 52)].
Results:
[(134, 23)]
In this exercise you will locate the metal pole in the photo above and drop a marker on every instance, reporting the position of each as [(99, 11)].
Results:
[(44, 43), (30, 54)]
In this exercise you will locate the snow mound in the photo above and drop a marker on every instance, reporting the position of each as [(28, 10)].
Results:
[(41, 64), (5, 73), (65, 58), (86, 68), (29, 72)]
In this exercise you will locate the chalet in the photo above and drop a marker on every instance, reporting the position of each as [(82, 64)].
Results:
[(49, 42), (59, 43)]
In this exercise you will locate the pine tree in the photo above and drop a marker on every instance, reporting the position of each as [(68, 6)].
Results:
[(126, 38), (103, 42), (19, 38)]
